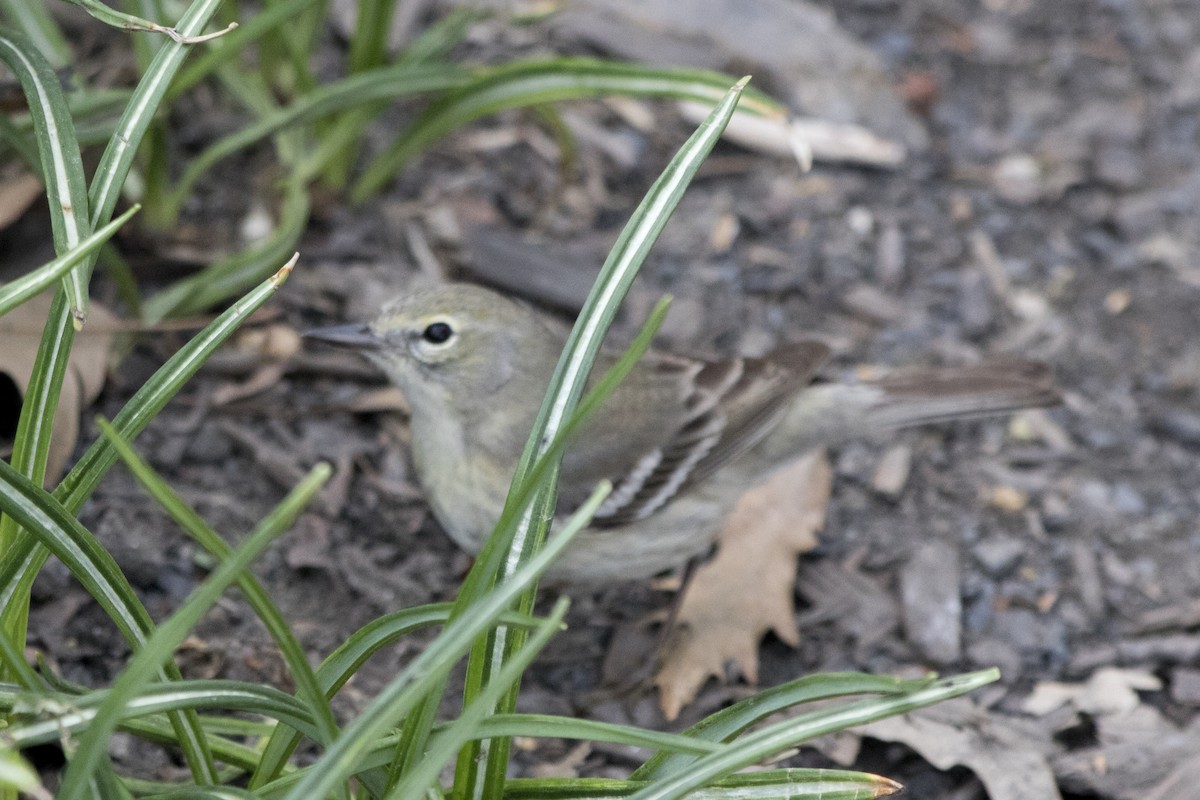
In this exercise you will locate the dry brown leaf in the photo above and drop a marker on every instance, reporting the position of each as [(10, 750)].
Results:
[(21, 332), (746, 590), (1009, 756), (19, 188)]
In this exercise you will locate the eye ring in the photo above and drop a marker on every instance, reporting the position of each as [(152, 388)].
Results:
[(437, 332)]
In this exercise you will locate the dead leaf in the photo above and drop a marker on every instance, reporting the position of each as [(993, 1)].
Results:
[(1110, 690), (746, 590), (21, 332), (18, 191), (567, 766), (1140, 755), (1008, 755)]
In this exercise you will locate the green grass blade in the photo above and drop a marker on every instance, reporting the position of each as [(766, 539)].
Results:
[(430, 667), (776, 784), (15, 664), (38, 26), (222, 50), (383, 83), (234, 275), (161, 644), (129, 22), (30, 450), (309, 689), (54, 715), (213, 793), (566, 386), (729, 722), (13, 293), (446, 743), (521, 84), (20, 563), (155, 393), (17, 774), (781, 736), (139, 112), (43, 517), (341, 665), (62, 163), (543, 726)]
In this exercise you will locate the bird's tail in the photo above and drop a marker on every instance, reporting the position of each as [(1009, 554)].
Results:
[(832, 413)]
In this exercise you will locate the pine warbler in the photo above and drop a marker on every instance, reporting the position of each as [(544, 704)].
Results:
[(681, 438)]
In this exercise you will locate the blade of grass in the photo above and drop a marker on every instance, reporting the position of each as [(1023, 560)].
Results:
[(302, 673), (34, 282), (17, 774), (343, 662), (129, 22), (158, 730), (729, 722), (446, 742), (93, 743), (32, 441), (139, 112), (42, 516), (784, 735), (221, 50), (62, 163), (20, 563), (224, 279), (567, 384), (68, 714), (536, 82), (430, 667), (35, 22), (779, 784), (383, 83), (62, 171)]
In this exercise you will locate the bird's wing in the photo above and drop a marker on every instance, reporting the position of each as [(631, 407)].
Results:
[(710, 412)]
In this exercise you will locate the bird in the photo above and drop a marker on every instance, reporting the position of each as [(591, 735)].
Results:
[(680, 439)]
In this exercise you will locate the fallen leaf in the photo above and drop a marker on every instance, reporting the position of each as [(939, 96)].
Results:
[(21, 332), (1109, 691), (746, 589), (18, 191), (1140, 755), (1008, 755)]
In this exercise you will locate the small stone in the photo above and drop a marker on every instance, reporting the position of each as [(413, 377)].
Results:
[(1128, 500), (1185, 686), (891, 474), (998, 556), (1180, 425), (866, 301), (1120, 167), (1006, 498), (1116, 301), (860, 220), (724, 233), (932, 603), (209, 446), (1018, 179), (976, 308), (1056, 511), (889, 256)]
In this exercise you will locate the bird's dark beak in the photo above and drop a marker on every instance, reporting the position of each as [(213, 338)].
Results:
[(357, 335)]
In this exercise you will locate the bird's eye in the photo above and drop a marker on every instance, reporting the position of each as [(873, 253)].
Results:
[(437, 333)]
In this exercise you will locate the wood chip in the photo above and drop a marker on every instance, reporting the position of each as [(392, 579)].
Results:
[(892, 471)]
